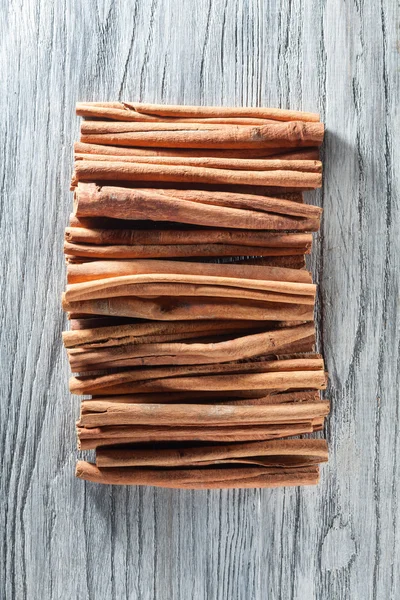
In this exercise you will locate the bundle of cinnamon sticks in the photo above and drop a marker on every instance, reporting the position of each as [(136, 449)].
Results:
[(191, 311)]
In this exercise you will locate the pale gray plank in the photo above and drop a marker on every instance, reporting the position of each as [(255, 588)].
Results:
[(65, 539)]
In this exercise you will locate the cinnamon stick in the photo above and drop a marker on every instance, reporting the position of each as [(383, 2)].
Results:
[(184, 250), (124, 434), (143, 333), (191, 135), (214, 397), (96, 170), (284, 451), (98, 149), (91, 200), (186, 308), (289, 204), (201, 478), (211, 162), (163, 110), (133, 332), (180, 237), (98, 413), (237, 348), (287, 374), (112, 268), (84, 362), (171, 290), (296, 261)]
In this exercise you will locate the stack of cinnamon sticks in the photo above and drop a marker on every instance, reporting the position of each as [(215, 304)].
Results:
[(190, 307)]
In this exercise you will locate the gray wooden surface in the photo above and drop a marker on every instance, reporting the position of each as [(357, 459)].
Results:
[(62, 538)]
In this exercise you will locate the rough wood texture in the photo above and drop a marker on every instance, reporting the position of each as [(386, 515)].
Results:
[(63, 538)]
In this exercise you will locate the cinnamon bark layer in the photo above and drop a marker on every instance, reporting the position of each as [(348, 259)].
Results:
[(132, 110), (298, 174), (123, 435), (182, 237), (208, 478), (97, 413), (285, 374), (273, 453), (196, 135), (104, 269), (176, 251), (237, 348), (82, 148), (193, 207)]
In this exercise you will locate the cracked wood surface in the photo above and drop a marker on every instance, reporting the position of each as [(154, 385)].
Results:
[(62, 538)]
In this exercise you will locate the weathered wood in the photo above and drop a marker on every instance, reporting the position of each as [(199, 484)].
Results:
[(63, 538)]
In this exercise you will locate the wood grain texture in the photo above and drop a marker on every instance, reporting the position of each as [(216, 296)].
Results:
[(62, 538)]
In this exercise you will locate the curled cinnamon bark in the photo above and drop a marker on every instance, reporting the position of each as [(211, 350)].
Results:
[(103, 269), (90, 438), (182, 284), (172, 237), (186, 308), (282, 375), (210, 162), (134, 333), (283, 153), (134, 109), (246, 346), (187, 206), (284, 452), (192, 135), (216, 397), (175, 251), (99, 413), (209, 478), (290, 204), (96, 170)]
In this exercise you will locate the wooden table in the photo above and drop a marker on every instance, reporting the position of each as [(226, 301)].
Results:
[(64, 539)]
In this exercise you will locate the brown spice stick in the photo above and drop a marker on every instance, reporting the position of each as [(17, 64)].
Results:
[(129, 333), (126, 285), (165, 110), (129, 389), (285, 450), (85, 363), (309, 362), (176, 290), (186, 250), (92, 200), (283, 153), (98, 413), (163, 338), (234, 349), (172, 237), (201, 479), (103, 269), (190, 135), (124, 434), (288, 205), (94, 170), (203, 135), (240, 164), (186, 308), (277, 381), (209, 397), (285, 262), (299, 374)]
